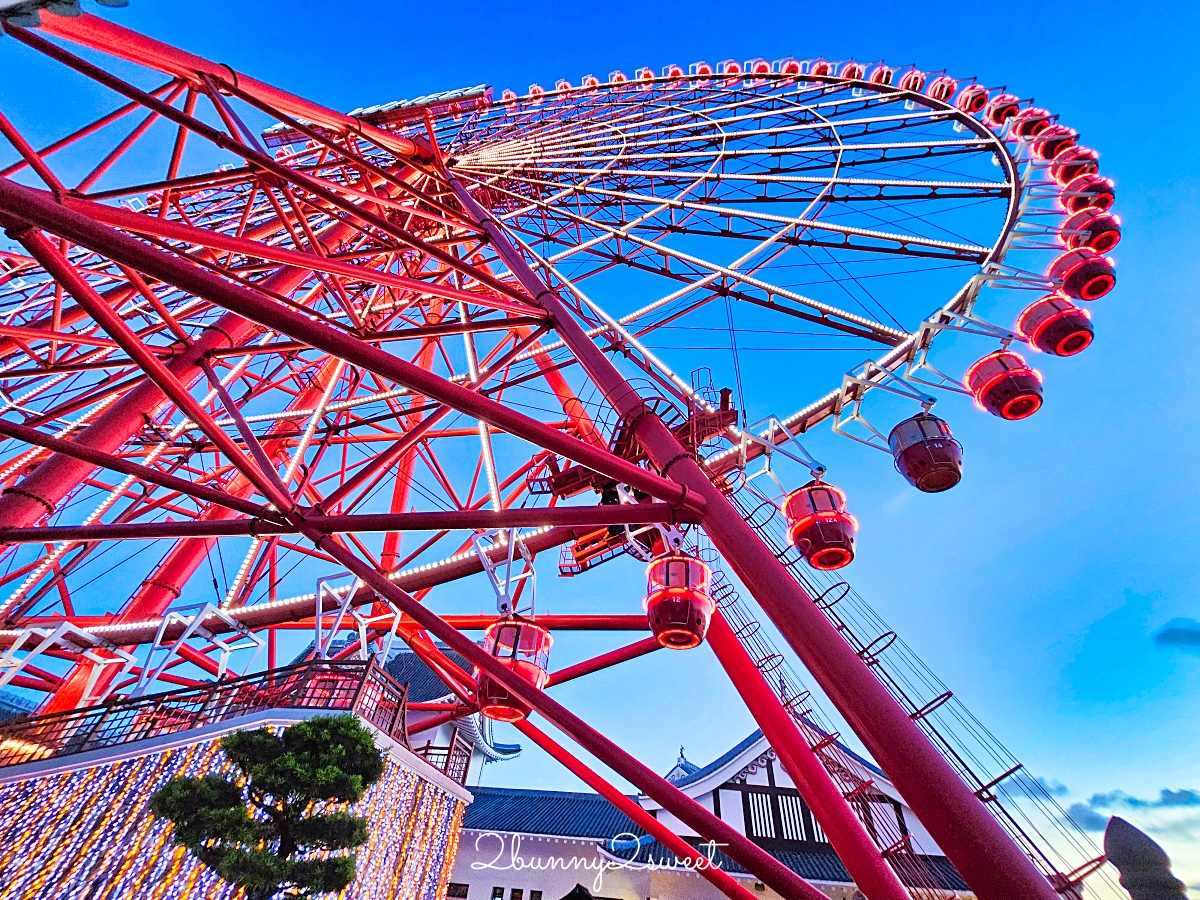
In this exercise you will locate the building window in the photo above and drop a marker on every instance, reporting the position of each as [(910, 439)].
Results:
[(457, 891), (517, 894), (497, 893), (758, 815), (791, 814), (535, 895)]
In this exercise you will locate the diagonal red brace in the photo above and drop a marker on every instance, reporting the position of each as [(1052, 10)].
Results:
[(39, 209), (684, 852)]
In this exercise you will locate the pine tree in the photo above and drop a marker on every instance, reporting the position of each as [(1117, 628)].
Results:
[(258, 826)]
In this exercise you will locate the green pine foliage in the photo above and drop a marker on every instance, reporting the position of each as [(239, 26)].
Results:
[(257, 826)]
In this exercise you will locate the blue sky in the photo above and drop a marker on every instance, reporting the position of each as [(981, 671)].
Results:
[(1035, 588)]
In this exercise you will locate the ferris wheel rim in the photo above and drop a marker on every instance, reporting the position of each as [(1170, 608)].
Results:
[(892, 359)]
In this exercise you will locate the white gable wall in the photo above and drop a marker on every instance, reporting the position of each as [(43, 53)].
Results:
[(675, 824), (752, 763)]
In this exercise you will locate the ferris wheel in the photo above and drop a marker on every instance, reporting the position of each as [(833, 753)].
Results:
[(302, 375)]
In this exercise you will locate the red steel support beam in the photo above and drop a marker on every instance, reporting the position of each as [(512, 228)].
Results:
[(140, 223), (286, 614), (438, 721), (462, 623), (313, 186), (603, 661), (684, 852), (117, 464), (40, 492), (114, 40), (482, 519), (71, 280), (988, 859), (38, 208), (863, 860)]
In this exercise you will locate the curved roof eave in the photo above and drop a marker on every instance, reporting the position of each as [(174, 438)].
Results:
[(724, 767)]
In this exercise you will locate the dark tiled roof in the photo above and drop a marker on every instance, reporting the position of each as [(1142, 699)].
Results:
[(819, 863), (11, 705), (560, 813), (568, 814)]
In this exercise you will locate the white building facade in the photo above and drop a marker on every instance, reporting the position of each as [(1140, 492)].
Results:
[(547, 845)]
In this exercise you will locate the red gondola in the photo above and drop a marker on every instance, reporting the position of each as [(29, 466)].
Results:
[(1030, 122), (926, 454), (678, 603), (821, 69), (522, 647), (853, 71), (1053, 141), (819, 526), (1004, 385), (1056, 326), (913, 80), (757, 67), (973, 99), (730, 67), (1087, 192), (1090, 228), (1002, 108), (881, 75), (1084, 274), (941, 88), (1074, 162)]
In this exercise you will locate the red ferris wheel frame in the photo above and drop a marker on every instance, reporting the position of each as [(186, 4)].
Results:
[(366, 213)]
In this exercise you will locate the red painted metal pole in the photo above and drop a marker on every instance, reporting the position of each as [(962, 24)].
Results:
[(684, 852), (71, 280), (582, 516), (53, 479), (313, 186), (863, 860), (102, 35), (40, 492), (282, 613), (251, 615), (438, 721), (603, 661), (125, 467), (987, 858), (140, 223), (38, 208)]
